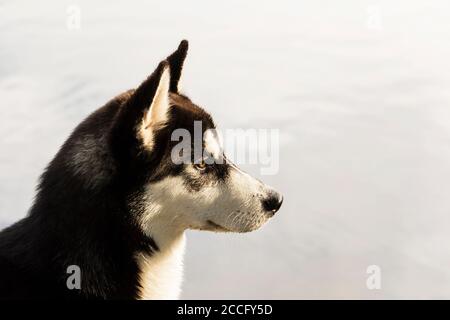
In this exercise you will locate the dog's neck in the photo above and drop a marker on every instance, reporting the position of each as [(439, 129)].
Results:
[(161, 272)]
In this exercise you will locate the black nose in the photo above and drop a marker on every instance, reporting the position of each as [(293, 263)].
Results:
[(273, 202)]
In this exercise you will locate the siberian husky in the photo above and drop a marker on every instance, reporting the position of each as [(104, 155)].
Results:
[(115, 206)]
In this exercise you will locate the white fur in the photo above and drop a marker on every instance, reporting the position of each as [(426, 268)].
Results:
[(213, 145), (157, 113), (162, 273)]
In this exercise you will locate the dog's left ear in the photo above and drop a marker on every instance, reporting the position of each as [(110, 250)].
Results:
[(144, 112), (176, 61)]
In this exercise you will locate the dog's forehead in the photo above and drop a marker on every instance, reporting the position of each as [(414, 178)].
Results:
[(185, 113)]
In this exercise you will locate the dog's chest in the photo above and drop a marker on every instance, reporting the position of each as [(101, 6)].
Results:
[(161, 274)]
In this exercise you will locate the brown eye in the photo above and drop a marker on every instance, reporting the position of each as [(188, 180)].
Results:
[(200, 166)]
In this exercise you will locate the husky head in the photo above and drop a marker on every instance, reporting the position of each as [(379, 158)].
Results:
[(208, 192)]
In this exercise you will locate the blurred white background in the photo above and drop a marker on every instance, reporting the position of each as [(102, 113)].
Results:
[(359, 90)]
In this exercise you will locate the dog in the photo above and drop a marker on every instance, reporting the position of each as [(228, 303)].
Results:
[(114, 206)]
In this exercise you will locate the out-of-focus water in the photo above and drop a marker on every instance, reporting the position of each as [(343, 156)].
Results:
[(359, 91)]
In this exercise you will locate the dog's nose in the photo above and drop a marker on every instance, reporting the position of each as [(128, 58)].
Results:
[(273, 202)]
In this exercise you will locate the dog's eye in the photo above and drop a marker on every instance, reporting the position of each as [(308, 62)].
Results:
[(200, 166)]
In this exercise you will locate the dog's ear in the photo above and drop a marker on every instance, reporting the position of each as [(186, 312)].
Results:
[(176, 61), (145, 110), (157, 114)]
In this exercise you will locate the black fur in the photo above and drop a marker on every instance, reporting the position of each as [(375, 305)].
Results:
[(81, 214)]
